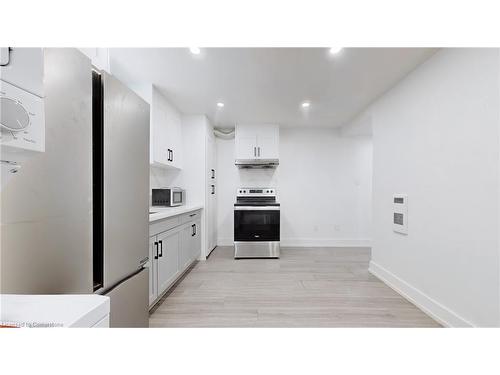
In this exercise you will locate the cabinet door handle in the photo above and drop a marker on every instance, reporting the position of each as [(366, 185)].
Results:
[(172, 157), (156, 253), (161, 248), (258, 148), (255, 151), (213, 189), (213, 173), (193, 230)]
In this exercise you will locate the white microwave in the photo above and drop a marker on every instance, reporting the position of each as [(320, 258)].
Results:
[(170, 197)]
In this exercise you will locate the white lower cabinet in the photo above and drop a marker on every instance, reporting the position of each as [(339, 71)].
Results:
[(185, 253), (171, 252), (196, 241), (168, 258), (191, 244), (152, 265)]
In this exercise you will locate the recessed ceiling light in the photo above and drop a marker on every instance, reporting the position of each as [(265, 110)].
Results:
[(220, 104), (306, 104), (194, 50), (335, 50)]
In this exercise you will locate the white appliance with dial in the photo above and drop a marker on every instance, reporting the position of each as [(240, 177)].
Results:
[(22, 115)]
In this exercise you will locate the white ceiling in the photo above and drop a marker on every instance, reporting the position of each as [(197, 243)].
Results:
[(267, 85)]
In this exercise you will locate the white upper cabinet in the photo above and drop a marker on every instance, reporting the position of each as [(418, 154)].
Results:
[(257, 142), (166, 136)]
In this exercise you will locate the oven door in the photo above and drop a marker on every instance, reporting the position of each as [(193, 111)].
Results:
[(177, 197), (256, 223)]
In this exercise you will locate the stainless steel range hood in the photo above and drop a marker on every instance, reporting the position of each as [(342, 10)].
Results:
[(256, 163)]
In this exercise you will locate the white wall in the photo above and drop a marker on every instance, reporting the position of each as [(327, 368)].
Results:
[(323, 182), (435, 137)]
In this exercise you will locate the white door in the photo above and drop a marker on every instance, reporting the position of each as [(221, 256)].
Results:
[(152, 264), (196, 240), (168, 259), (246, 146), (211, 193), (268, 142), (214, 205), (174, 139), (186, 244), (159, 122)]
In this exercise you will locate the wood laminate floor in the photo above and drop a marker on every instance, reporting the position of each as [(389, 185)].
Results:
[(306, 287)]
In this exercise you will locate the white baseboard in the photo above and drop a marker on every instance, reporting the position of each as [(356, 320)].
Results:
[(225, 242), (325, 242), (310, 242), (425, 303)]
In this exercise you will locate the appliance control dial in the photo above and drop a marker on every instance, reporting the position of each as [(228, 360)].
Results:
[(13, 116)]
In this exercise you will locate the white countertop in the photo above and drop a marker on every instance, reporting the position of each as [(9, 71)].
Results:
[(166, 212), (58, 310)]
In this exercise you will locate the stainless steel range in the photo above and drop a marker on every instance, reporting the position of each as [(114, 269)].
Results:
[(256, 223)]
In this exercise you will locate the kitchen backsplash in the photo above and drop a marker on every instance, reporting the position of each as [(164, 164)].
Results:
[(160, 178)]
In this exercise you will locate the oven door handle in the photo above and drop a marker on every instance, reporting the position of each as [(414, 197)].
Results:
[(257, 208)]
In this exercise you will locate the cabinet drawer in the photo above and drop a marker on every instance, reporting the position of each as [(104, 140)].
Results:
[(190, 216), (163, 225)]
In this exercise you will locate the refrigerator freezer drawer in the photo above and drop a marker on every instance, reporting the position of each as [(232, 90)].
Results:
[(130, 302)]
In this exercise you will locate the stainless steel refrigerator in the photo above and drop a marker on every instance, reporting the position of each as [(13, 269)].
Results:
[(74, 219)]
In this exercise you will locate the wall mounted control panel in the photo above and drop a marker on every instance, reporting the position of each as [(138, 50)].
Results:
[(400, 213), (256, 192), (22, 115), (22, 119)]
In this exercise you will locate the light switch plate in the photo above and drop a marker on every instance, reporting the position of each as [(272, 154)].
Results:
[(400, 213)]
